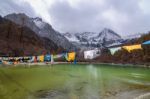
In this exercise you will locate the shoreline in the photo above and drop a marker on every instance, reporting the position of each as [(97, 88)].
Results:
[(86, 63)]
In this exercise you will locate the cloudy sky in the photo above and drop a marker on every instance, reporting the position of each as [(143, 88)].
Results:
[(123, 16)]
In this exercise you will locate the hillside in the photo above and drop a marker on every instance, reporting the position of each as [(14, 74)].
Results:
[(124, 57), (17, 40), (41, 28)]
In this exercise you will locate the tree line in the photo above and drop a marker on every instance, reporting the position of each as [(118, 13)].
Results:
[(138, 56)]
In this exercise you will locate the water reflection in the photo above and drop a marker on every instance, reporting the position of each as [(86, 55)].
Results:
[(93, 71), (92, 82), (78, 82)]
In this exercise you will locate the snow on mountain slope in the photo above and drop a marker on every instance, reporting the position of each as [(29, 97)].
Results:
[(71, 37), (86, 35), (107, 35), (104, 38), (38, 22)]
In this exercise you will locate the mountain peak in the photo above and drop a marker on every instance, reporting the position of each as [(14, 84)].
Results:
[(92, 39), (37, 19), (108, 33), (17, 15), (106, 29)]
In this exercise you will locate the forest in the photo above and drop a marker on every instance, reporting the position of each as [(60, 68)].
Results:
[(139, 56)]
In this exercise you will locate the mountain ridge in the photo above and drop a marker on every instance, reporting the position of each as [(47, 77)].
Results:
[(94, 39), (68, 41), (17, 40), (43, 29)]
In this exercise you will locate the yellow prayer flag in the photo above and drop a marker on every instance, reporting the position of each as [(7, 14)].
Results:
[(71, 56), (41, 58), (132, 47)]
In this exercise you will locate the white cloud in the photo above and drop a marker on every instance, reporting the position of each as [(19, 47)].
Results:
[(122, 16), (115, 19), (78, 3), (41, 8), (145, 6), (11, 6)]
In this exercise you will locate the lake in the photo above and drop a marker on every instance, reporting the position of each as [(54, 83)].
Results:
[(74, 82)]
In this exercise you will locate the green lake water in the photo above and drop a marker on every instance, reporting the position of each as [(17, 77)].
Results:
[(73, 82)]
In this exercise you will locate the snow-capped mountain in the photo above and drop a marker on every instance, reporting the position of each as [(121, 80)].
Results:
[(105, 38), (86, 36), (42, 28), (71, 37), (22, 43), (107, 35), (38, 22)]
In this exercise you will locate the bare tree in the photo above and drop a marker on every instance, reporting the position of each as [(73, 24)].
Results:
[(21, 33), (8, 35), (9, 29)]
